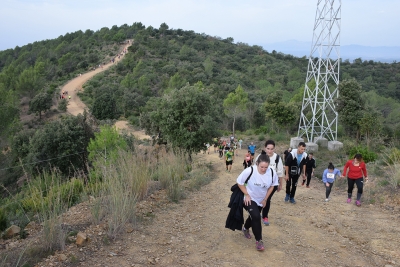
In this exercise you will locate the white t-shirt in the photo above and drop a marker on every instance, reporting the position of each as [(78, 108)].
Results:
[(258, 184), (278, 169)]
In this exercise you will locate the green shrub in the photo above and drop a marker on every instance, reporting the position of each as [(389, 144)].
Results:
[(261, 137), (62, 105), (393, 156), (261, 130), (368, 156)]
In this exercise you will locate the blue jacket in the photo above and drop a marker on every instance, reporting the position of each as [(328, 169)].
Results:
[(330, 180)]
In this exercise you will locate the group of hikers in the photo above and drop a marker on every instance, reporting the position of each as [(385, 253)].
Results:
[(265, 174)]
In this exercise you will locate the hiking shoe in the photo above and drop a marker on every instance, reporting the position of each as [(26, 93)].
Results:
[(287, 197), (292, 201), (259, 245), (246, 233), (349, 200), (358, 203), (265, 221)]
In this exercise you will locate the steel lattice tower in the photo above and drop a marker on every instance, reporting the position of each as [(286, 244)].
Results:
[(319, 117)]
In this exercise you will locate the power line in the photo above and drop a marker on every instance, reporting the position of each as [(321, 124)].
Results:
[(42, 161)]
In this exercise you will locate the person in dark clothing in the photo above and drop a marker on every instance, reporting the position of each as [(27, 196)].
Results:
[(310, 167), (285, 153), (294, 167)]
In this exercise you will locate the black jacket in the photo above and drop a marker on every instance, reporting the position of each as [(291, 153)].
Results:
[(235, 219)]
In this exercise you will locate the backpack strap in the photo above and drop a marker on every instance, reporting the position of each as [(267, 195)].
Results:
[(272, 175), (251, 173), (277, 160)]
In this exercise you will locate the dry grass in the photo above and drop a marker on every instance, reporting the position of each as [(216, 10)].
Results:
[(124, 181)]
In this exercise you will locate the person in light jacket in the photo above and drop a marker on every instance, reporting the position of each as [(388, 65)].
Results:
[(328, 177)]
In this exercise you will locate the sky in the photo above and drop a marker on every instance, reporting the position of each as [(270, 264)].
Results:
[(255, 22)]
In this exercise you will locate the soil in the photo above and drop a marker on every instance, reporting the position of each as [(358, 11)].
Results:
[(192, 233)]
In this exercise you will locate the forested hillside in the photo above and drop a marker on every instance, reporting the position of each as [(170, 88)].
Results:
[(158, 62)]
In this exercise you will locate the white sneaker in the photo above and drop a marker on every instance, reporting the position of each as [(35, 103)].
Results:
[(327, 199)]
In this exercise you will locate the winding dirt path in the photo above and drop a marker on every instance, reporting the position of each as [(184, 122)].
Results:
[(75, 105)]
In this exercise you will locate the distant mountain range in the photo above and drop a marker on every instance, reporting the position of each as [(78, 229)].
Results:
[(387, 54)]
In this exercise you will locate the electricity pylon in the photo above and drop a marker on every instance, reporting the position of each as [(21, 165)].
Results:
[(319, 117)]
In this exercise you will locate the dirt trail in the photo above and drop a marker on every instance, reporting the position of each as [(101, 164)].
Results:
[(75, 105), (310, 233)]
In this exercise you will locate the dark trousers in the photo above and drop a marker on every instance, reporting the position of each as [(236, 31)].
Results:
[(254, 220), (328, 189), (359, 182), (265, 210), (291, 185), (308, 176)]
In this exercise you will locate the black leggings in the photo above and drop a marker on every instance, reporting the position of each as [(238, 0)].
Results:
[(309, 172), (265, 210), (292, 182), (254, 219), (359, 182), (328, 189)]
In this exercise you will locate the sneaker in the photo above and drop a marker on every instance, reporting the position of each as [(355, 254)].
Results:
[(327, 199), (358, 203), (349, 200), (246, 233), (259, 245), (287, 197), (307, 186), (304, 181), (292, 201), (265, 221)]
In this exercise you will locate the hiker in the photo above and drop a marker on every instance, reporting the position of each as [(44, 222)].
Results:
[(294, 167), (275, 164), (256, 192), (247, 160), (229, 160), (286, 152), (328, 177), (355, 170), (240, 143), (310, 167), (252, 149)]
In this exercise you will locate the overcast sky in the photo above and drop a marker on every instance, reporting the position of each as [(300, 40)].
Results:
[(364, 22)]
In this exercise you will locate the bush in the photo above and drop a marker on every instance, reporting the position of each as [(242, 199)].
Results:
[(62, 105), (393, 156), (261, 130), (368, 156)]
